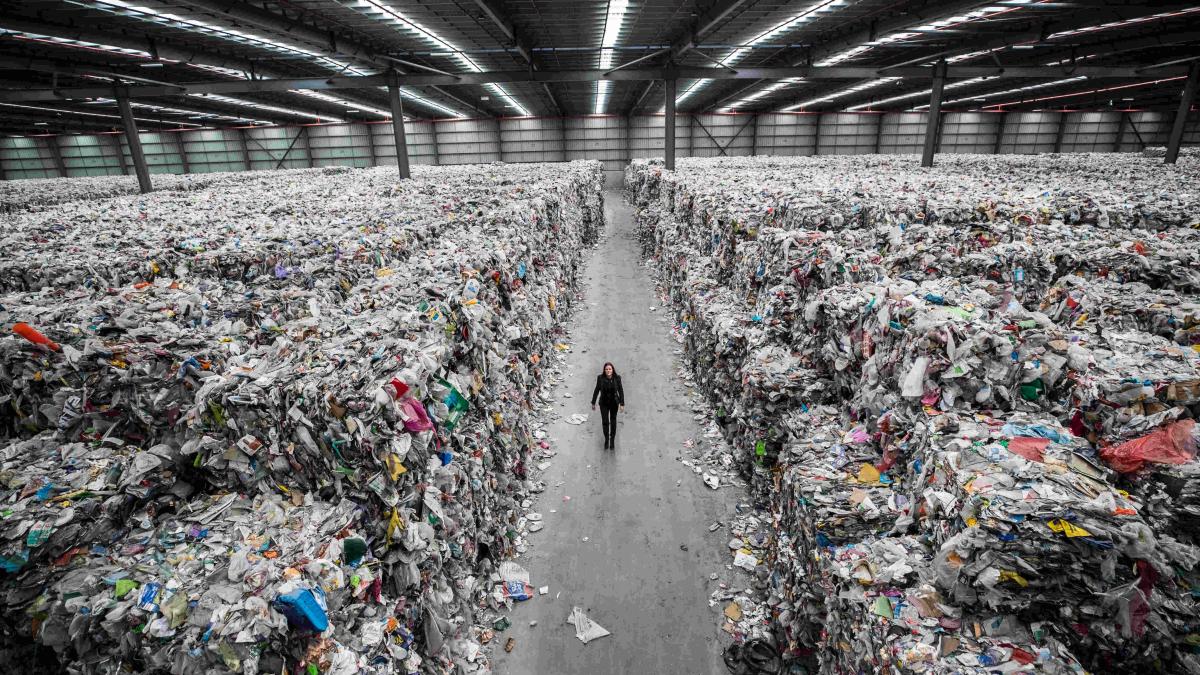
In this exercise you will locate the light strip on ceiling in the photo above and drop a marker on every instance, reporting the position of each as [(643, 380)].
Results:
[(80, 44), (341, 102), (1123, 24), (944, 23), (1007, 92), (408, 95), (765, 91), (976, 54), (272, 108), (795, 21), (1077, 31), (833, 96), (383, 12), (1086, 92), (152, 107), (228, 72), (82, 113), (918, 94), (613, 23), (152, 15)]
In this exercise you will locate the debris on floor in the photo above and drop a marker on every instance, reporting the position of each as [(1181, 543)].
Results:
[(585, 629)]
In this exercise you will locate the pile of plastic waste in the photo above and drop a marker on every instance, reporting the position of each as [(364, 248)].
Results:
[(964, 397), (40, 193), (282, 424)]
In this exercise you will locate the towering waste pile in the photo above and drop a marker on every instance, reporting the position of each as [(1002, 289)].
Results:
[(281, 424), (964, 395)]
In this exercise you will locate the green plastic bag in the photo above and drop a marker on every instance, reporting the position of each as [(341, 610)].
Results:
[(456, 402), (1032, 391)]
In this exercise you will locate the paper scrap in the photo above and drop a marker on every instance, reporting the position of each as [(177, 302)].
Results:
[(585, 629)]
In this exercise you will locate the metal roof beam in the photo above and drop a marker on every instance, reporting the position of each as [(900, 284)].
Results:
[(1040, 29), (492, 10), (48, 66), (628, 75), (905, 20), (55, 124), (716, 15), (1112, 48), (637, 102), (126, 41), (163, 50), (868, 33), (270, 21)]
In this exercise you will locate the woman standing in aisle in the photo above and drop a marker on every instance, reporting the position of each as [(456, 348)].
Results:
[(612, 396)]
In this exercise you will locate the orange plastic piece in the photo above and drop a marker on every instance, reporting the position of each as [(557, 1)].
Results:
[(33, 335)]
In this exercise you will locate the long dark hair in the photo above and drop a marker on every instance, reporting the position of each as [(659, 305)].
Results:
[(608, 364)]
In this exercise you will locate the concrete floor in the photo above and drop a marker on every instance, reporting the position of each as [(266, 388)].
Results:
[(637, 505)]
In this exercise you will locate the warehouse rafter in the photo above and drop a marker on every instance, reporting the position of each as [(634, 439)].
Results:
[(234, 62)]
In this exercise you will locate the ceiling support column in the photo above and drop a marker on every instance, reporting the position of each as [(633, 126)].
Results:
[(669, 124), (934, 122), (1189, 95), (398, 132), (135, 144)]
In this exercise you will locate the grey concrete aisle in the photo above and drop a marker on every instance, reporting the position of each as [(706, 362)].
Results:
[(637, 506)]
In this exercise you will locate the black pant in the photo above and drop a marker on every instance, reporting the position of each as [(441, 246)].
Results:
[(608, 416)]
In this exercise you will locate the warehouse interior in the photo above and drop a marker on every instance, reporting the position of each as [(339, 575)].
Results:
[(308, 308), (577, 82)]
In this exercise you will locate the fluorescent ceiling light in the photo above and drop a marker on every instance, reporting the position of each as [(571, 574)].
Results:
[(1100, 90), (833, 96), (976, 54), (152, 107), (341, 102), (1007, 92), (228, 100), (765, 91), (899, 36), (918, 94), (613, 23), (1122, 24), (82, 113), (82, 44), (230, 72), (152, 15), (795, 21), (383, 12), (942, 24)]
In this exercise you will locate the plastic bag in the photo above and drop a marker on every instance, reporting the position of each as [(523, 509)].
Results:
[(516, 590), (1172, 444), (416, 419)]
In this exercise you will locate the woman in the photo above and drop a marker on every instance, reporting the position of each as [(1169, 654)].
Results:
[(612, 396)]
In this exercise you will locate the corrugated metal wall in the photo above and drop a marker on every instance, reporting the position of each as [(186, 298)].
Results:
[(612, 140)]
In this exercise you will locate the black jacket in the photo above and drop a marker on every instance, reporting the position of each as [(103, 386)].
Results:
[(609, 390)]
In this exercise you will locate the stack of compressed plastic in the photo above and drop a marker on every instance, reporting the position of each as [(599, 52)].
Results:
[(1102, 304), (910, 366), (41, 193), (281, 425), (882, 616), (1027, 522)]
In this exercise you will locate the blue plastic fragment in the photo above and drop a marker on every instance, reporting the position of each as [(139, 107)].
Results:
[(305, 609)]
